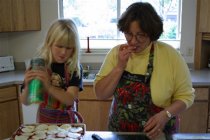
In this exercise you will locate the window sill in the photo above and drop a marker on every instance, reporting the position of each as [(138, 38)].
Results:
[(95, 56), (98, 55), (94, 52)]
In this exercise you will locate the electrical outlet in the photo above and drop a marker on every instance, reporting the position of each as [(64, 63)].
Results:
[(189, 51)]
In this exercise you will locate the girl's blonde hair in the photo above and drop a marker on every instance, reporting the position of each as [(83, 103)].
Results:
[(63, 32)]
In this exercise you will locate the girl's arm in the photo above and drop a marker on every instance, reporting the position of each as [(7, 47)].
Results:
[(66, 97), (29, 75), (23, 96)]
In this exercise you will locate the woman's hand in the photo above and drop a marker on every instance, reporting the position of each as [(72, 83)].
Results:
[(125, 52), (156, 124)]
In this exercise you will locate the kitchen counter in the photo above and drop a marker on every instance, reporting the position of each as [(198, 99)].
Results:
[(106, 135), (12, 77), (17, 77), (191, 136), (199, 78)]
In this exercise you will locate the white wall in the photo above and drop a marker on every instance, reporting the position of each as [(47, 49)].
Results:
[(188, 29), (23, 45), (4, 49)]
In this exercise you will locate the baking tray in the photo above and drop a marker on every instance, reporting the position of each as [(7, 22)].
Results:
[(49, 131)]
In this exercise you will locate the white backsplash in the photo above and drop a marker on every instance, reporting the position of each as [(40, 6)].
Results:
[(4, 47)]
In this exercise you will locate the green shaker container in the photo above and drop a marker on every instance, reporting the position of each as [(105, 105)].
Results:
[(35, 85)]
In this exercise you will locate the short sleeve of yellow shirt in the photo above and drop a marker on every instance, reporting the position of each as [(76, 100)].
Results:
[(170, 79)]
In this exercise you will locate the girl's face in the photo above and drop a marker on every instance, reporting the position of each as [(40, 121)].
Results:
[(60, 53), (136, 38)]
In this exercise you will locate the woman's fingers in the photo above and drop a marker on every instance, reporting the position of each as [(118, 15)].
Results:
[(125, 53), (155, 125), (154, 132)]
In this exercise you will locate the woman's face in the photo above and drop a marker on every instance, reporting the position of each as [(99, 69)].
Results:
[(136, 38), (60, 53)]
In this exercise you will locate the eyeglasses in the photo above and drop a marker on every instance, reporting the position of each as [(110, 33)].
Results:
[(140, 37)]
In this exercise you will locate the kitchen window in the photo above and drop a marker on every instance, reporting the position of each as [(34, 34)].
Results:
[(97, 19)]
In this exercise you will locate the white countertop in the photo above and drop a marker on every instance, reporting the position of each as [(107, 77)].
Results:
[(17, 77), (199, 78)]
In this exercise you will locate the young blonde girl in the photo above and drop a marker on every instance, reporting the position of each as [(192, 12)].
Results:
[(62, 78)]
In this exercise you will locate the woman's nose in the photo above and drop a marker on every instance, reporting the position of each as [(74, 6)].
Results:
[(133, 40)]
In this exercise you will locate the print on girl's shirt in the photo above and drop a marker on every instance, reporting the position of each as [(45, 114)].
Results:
[(57, 80)]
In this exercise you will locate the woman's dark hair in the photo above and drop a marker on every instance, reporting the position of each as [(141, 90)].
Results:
[(149, 21)]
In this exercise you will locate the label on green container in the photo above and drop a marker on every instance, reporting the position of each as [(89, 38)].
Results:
[(35, 91), (35, 85)]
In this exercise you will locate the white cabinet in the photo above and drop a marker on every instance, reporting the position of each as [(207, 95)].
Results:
[(29, 112)]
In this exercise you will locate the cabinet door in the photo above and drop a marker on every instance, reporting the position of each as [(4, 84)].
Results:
[(8, 93), (204, 12), (19, 15), (9, 117), (195, 119), (5, 15), (26, 15), (95, 114)]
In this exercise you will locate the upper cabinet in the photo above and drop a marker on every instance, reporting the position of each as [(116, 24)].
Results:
[(204, 15), (19, 15), (202, 36)]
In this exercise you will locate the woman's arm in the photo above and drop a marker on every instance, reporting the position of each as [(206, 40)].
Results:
[(181, 99), (106, 86), (175, 108), (157, 122)]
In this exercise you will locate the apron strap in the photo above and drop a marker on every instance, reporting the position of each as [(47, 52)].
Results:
[(75, 113)]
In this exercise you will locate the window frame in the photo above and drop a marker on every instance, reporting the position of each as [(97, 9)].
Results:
[(102, 51)]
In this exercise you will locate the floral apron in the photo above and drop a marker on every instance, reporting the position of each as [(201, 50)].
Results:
[(132, 103), (67, 114)]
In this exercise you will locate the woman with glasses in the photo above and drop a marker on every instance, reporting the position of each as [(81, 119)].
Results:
[(149, 80)]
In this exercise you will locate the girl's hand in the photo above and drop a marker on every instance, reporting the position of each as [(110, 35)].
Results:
[(156, 124), (42, 75), (29, 75), (125, 52)]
